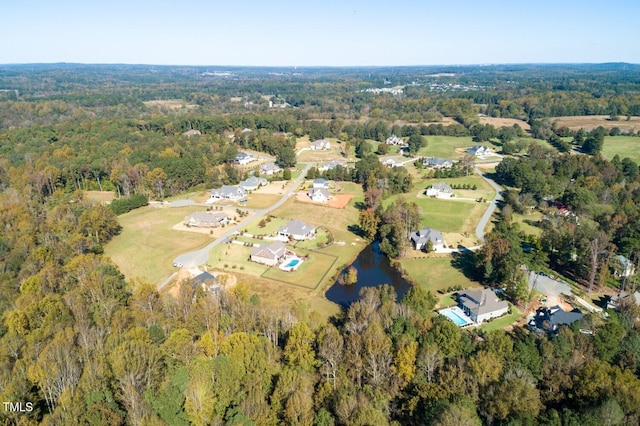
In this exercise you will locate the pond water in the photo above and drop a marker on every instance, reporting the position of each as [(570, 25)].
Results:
[(373, 270)]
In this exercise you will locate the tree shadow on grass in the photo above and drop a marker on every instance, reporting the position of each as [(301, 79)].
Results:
[(465, 262)]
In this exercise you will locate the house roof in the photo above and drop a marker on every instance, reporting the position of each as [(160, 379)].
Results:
[(421, 236), (442, 187), (296, 227), (333, 164), (393, 139), (227, 191), (208, 217), (253, 182), (482, 301), (269, 166), (271, 251), (243, 155), (434, 161), (556, 317), (320, 143), (192, 132), (477, 148), (320, 181), (205, 278), (315, 191)]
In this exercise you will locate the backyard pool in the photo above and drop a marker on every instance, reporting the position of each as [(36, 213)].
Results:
[(291, 264), (456, 315)]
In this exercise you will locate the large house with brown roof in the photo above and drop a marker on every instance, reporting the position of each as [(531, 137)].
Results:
[(482, 305), (206, 219)]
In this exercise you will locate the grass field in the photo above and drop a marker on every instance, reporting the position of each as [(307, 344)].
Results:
[(526, 227), (593, 121), (483, 190), (624, 146), (260, 201), (310, 274), (504, 321), (147, 245), (435, 274), (445, 146)]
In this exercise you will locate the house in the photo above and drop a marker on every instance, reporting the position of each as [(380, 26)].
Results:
[(228, 192), (623, 297), (253, 183), (319, 195), (550, 319), (437, 163), (320, 144), (206, 219), (420, 238), (244, 158), (269, 169), (320, 183), (390, 162), (207, 281), (296, 229), (626, 267), (479, 150), (192, 132), (482, 305), (440, 190), (269, 254), (395, 140), (330, 165)]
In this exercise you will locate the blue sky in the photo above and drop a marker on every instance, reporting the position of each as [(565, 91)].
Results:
[(319, 32)]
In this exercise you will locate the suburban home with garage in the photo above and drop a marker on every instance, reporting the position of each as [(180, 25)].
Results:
[(296, 229), (440, 190), (319, 195), (269, 254), (206, 219), (550, 319), (320, 183), (395, 140), (269, 168), (320, 144), (437, 163), (207, 281), (244, 158), (626, 268), (253, 183), (482, 305), (228, 192), (419, 239), (479, 150), (390, 162), (330, 165)]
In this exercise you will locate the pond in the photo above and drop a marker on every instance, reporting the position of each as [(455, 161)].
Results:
[(373, 270)]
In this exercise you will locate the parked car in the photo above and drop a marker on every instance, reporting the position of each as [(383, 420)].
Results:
[(178, 264)]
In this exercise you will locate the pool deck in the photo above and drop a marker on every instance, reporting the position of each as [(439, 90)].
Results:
[(457, 312), (285, 266)]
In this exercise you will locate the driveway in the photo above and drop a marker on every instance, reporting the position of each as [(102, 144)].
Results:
[(492, 206), (553, 289)]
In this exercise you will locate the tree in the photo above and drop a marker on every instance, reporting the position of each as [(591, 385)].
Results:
[(369, 223), (331, 352), (298, 350), (286, 174), (286, 157), (414, 144)]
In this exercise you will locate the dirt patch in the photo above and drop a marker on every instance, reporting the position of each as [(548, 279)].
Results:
[(277, 187), (589, 122), (338, 201), (505, 122), (455, 239), (99, 196), (169, 103)]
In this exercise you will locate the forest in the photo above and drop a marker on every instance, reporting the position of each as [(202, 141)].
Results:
[(86, 345)]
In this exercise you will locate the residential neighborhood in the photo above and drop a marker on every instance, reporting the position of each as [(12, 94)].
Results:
[(420, 239), (227, 192), (206, 219), (440, 190), (297, 230), (320, 144)]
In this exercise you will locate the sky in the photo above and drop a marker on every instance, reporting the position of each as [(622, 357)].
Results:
[(319, 32)]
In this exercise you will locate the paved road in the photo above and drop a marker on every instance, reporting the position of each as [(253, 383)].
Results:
[(492, 206), (198, 257)]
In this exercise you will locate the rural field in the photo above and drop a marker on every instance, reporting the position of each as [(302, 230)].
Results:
[(435, 274), (624, 146), (147, 244), (445, 146), (498, 122), (589, 122)]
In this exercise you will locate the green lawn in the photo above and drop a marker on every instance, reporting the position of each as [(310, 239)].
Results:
[(445, 146), (260, 201), (624, 146), (528, 228), (235, 258), (483, 189), (147, 245), (504, 321), (269, 227), (435, 274), (310, 274)]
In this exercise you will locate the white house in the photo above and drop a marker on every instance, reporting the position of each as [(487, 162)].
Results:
[(320, 144), (479, 150), (319, 195), (627, 269), (192, 132), (482, 305), (390, 162), (320, 183), (253, 183), (437, 163), (419, 239), (440, 190), (206, 219), (269, 168), (395, 140), (330, 165), (228, 192), (296, 229), (244, 158)]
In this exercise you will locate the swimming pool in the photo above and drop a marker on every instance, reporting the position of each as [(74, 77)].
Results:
[(292, 263), (458, 318)]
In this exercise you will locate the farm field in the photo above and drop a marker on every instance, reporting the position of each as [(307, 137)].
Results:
[(147, 244), (624, 146), (589, 122), (498, 122)]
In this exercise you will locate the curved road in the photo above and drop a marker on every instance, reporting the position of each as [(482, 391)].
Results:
[(198, 257), (492, 206)]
